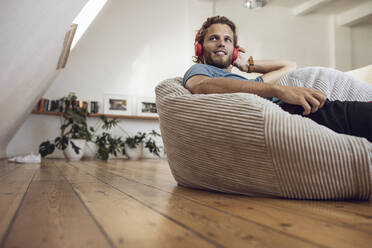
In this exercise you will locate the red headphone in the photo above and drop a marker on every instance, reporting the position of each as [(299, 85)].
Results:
[(199, 49)]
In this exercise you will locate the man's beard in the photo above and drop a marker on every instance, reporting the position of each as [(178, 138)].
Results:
[(220, 64)]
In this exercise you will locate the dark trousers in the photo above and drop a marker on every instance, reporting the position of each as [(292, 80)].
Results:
[(353, 118)]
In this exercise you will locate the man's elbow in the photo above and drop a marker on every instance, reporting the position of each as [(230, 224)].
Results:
[(289, 66), (292, 65), (197, 88), (194, 88)]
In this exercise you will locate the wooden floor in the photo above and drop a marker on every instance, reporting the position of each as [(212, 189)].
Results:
[(138, 204)]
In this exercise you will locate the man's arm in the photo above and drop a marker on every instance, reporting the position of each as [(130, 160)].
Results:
[(310, 99), (272, 70)]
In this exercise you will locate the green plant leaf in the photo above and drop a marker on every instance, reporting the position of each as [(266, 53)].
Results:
[(154, 133), (75, 147), (103, 153), (46, 148), (150, 144), (61, 142)]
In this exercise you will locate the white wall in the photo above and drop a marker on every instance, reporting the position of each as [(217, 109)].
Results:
[(273, 32), (133, 45), (361, 45), (127, 50)]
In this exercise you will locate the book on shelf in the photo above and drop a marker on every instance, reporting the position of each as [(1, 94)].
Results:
[(46, 105), (85, 105), (94, 107), (42, 105), (54, 105)]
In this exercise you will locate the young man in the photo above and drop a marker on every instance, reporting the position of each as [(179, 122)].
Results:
[(215, 45)]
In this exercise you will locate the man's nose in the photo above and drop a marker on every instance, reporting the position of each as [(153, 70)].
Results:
[(221, 43)]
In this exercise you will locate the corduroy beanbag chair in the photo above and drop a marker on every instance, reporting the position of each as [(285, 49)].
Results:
[(244, 144)]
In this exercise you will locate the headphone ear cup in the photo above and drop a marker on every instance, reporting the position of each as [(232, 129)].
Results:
[(235, 54), (198, 49)]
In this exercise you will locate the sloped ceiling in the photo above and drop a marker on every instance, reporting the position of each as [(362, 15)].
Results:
[(30, 44)]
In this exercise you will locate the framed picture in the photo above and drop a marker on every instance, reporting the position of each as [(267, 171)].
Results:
[(117, 104), (146, 106)]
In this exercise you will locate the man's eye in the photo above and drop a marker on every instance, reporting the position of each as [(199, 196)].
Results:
[(213, 38), (228, 39)]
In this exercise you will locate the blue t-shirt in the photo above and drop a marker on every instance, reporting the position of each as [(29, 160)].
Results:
[(215, 72)]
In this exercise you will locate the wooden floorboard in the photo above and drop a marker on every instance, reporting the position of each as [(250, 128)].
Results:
[(128, 222), (138, 204), (6, 167), (344, 214), (13, 186), (51, 215), (222, 228), (337, 232)]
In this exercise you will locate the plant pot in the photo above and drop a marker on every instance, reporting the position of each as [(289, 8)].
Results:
[(90, 150), (134, 153), (69, 152)]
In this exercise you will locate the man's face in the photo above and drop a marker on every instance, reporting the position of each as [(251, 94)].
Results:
[(218, 46)]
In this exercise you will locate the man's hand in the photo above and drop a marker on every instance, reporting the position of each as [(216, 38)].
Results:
[(310, 99), (271, 70), (242, 61)]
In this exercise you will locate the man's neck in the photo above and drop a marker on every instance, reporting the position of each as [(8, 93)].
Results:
[(228, 69)]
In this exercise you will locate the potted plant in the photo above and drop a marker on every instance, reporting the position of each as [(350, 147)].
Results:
[(150, 143), (74, 131), (91, 147), (107, 145), (133, 145)]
